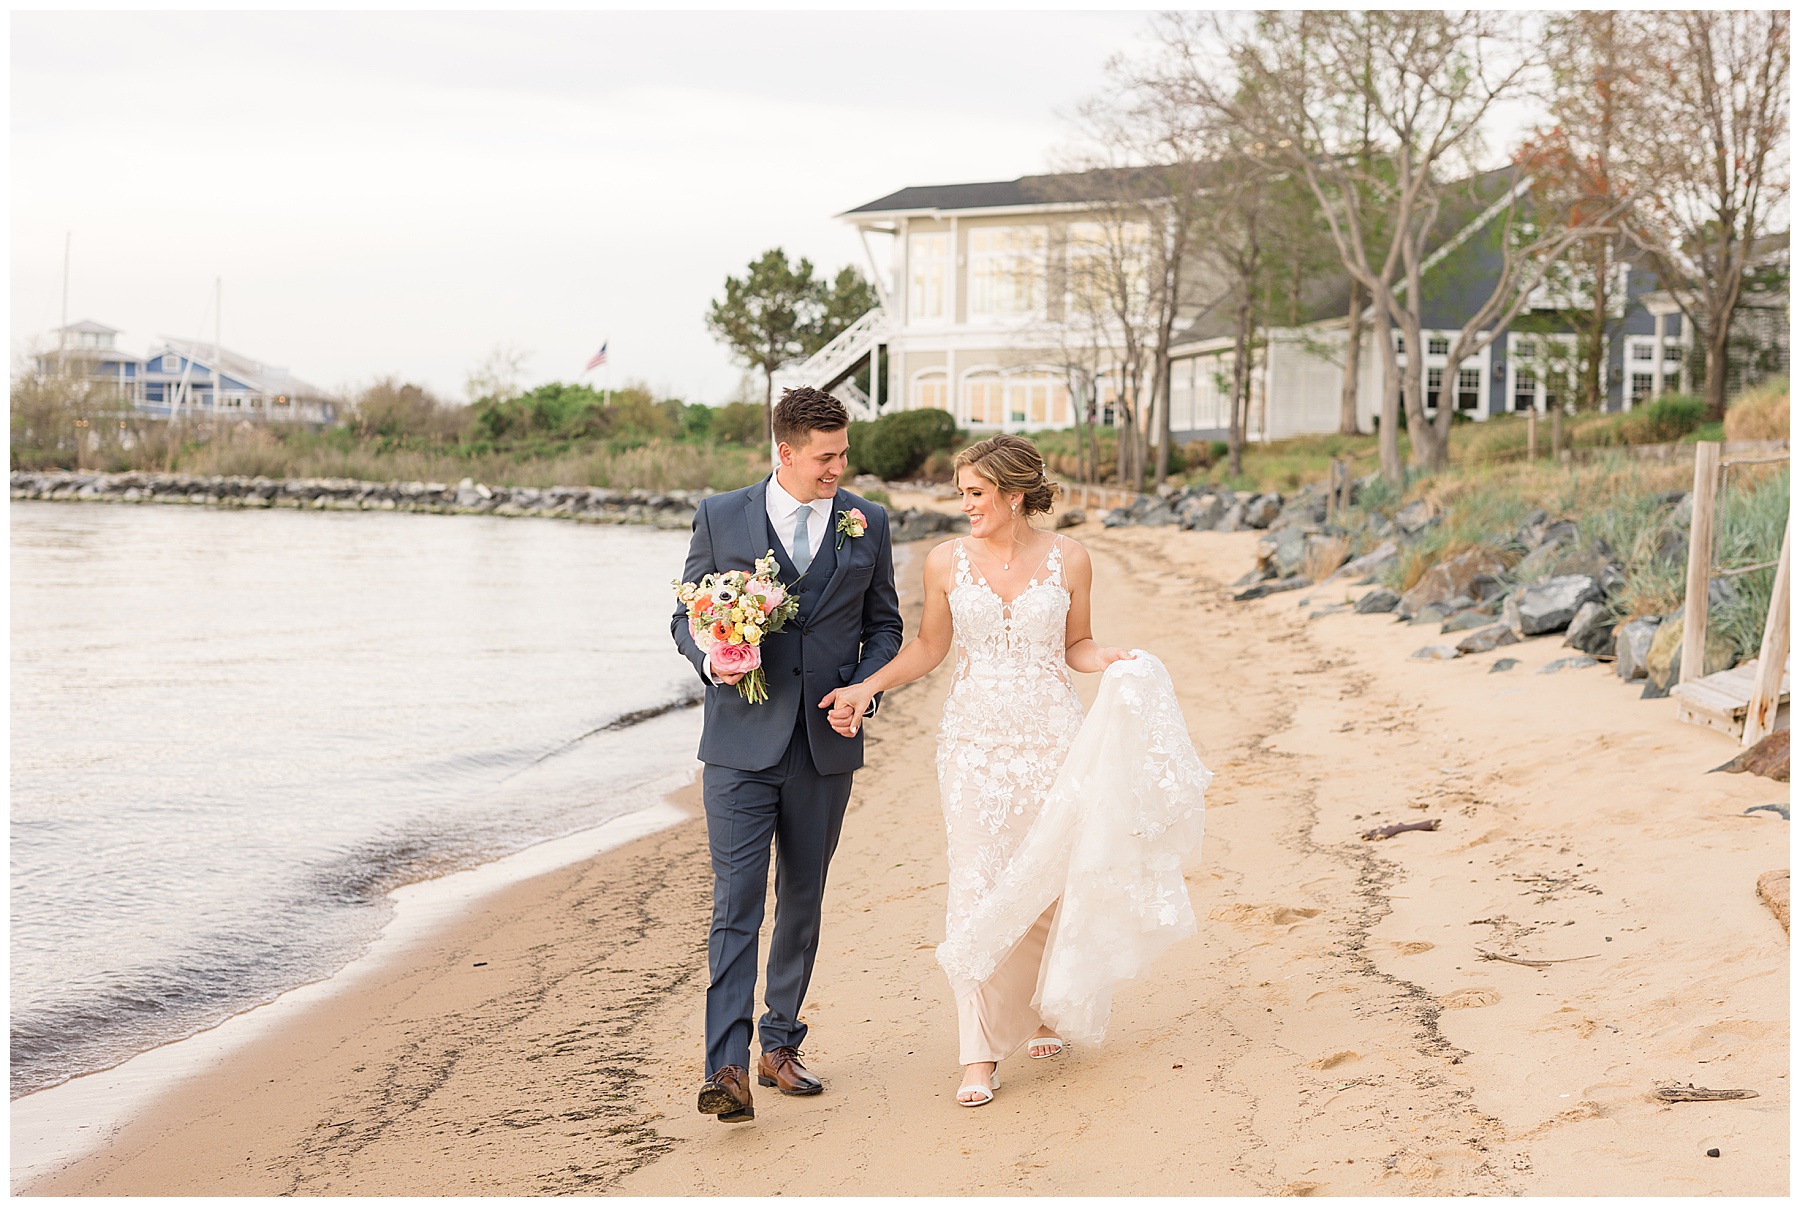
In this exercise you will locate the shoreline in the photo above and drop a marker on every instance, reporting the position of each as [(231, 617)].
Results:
[(60, 1125), (1333, 1028)]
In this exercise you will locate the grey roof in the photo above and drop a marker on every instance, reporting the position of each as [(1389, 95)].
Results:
[(90, 327), (1026, 191), (273, 377)]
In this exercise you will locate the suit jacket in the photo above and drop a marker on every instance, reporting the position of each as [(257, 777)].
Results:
[(847, 631)]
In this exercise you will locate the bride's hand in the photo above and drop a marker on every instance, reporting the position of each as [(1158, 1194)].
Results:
[(1110, 654), (847, 705)]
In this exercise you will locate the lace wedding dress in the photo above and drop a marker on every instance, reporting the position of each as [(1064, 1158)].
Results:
[(1067, 836)]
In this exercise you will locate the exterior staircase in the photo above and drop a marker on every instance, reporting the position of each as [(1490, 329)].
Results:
[(829, 366)]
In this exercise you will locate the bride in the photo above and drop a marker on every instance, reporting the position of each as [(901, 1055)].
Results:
[(1066, 836)]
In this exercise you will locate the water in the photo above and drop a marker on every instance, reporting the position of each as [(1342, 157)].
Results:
[(234, 732)]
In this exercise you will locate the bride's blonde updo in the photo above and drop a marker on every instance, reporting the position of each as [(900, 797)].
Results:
[(1014, 466)]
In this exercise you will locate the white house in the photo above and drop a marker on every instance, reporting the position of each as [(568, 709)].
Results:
[(980, 314)]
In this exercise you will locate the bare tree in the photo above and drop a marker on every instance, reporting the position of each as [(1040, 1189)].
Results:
[(500, 376), (1716, 162), (1380, 112)]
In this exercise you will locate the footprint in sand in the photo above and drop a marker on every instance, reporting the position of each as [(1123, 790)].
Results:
[(1276, 915), (1468, 999), (1333, 1061)]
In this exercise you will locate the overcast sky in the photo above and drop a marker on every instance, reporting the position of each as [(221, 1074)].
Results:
[(398, 193)]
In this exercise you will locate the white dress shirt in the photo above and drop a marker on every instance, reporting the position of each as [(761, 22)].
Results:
[(782, 507)]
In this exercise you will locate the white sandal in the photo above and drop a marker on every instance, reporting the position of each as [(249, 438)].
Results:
[(1053, 1042), (986, 1092)]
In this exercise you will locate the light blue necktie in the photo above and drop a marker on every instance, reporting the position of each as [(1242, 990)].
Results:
[(802, 554)]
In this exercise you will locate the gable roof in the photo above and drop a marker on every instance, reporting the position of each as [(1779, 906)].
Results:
[(89, 327), (272, 378), (1027, 192)]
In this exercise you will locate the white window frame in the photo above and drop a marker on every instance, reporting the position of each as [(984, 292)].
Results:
[(924, 380), (929, 277), (1007, 272)]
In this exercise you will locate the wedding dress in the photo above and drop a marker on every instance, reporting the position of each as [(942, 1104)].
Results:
[(1067, 836)]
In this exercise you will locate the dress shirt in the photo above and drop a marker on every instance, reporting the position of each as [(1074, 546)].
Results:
[(782, 507)]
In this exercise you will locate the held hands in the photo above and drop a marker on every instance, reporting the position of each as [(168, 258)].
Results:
[(847, 705)]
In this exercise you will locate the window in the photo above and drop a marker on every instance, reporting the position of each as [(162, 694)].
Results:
[(1437, 345), (1037, 400), (1643, 351), (931, 390), (1096, 255), (982, 400), (1434, 385), (171, 363), (1006, 270), (1523, 349), (1400, 342), (1524, 389), (1672, 354), (1468, 389), (1641, 386), (928, 257)]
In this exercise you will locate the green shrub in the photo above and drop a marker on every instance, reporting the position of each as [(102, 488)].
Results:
[(896, 445), (740, 423), (1664, 421)]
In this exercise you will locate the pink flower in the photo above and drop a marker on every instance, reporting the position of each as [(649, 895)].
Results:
[(771, 593), (739, 659)]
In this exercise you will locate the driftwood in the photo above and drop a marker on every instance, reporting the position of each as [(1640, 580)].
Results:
[(1694, 1093), (1768, 757), (1494, 955), (1398, 828)]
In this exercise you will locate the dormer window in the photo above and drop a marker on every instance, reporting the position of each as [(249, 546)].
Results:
[(171, 363)]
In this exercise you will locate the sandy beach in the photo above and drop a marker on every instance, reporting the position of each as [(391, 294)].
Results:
[(1334, 1028)]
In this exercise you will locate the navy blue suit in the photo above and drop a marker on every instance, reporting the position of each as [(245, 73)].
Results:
[(777, 770)]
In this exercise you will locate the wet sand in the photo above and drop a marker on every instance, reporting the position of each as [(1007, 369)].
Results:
[(1333, 1028)]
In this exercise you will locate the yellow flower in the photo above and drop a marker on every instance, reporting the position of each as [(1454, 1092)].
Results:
[(737, 613), (752, 634)]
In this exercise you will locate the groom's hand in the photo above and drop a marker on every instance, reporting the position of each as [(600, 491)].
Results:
[(721, 679), (845, 714)]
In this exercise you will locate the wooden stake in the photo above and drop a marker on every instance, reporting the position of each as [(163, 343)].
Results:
[(1765, 698), (1700, 559)]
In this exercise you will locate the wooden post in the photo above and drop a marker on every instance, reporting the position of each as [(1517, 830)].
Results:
[(1700, 559), (1531, 434), (1759, 718)]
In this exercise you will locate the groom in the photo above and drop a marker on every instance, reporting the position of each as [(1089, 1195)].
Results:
[(777, 770)]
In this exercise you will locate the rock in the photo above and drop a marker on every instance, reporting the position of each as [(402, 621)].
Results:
[(1161, 515), (1503, 664), (1768, 757), (1381, 599), (1271, 588), (1467, 618), (1549, 606), (1567, 664), (1590, 631), (1612, 579), (1261, 511), (1372, 562), (1683, 515), (1663, 662), (1069, 519), (1431, 614), (915, 524), (1451, 577), (1437, 653), (1233, 519), (1490, 638), (1562, 532), (1325, 553), (1772, 887), (1631, 648), (1537, 565), (1203, 511), (1254, 574), (1672, 547), (1118, 517), (1414, 517), (1280, 554), (1328, 610)]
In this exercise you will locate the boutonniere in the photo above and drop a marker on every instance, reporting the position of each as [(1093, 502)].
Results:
[(852, 523)]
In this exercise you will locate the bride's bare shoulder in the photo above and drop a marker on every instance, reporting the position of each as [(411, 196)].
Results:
[(1074, 553), (937, 562)]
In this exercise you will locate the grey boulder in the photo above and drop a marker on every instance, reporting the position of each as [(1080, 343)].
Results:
[(1631, 648), (1567, 664), (1590, 631), (1490, 638), (1549, 606), (1436, 653), (1262, 510), (1381, 599)]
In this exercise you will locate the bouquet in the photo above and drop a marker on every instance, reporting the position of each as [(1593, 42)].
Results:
[(730, 613)]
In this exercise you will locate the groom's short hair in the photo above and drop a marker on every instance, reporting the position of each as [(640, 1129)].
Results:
[(803, 411)]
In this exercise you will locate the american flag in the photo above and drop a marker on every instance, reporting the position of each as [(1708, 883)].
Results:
[(599, 357)]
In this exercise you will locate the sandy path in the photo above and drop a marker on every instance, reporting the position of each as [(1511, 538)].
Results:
[(1331, 1029)]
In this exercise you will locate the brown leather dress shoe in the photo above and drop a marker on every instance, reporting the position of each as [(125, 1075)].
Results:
[(727, 1095), (781, 1068)]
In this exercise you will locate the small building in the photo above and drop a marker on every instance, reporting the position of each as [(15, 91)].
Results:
[(186, 378)]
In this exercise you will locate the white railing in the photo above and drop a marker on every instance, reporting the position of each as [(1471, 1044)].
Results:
[(837, 358)]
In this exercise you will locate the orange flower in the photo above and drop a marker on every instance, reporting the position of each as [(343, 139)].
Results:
[(721, 630)]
